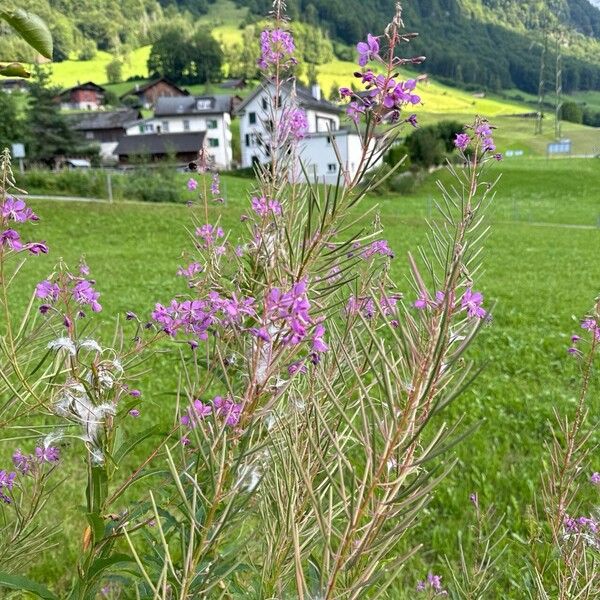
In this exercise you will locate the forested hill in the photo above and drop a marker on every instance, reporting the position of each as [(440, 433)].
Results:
[(493, 44), (486, 42)]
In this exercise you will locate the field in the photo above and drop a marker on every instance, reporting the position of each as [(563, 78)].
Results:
[(541, 271)]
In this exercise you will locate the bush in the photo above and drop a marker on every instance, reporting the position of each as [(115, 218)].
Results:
[(571, 112), (88, 50), (114, 71), (404, 183)]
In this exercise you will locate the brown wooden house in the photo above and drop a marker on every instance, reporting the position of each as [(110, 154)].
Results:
[(151, 91), (85, 96), (152, 147)]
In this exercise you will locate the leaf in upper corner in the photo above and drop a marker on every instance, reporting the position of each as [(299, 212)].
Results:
[(31, 28)]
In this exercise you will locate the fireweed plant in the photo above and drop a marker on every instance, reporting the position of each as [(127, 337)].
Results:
[(308, 432)]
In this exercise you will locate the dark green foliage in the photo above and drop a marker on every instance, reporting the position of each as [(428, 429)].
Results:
[(479, 42), (11, 125), (591, 117), (48, 134), (195, 58), (429, 146), (572, 112), (114, 71)]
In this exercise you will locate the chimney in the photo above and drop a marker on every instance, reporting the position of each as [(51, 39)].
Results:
[(316, 91)]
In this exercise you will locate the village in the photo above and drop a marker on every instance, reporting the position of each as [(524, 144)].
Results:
[(162, 123)]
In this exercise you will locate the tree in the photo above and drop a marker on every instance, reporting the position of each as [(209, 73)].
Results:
[(571, 112), (196, 58), (48, 134), (170, 55), (11, 127), (114, 71), (206, 57)]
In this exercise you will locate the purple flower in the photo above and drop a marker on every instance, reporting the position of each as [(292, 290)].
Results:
[(48, 454), (421, 302), (433, 583), (135, 393), (276, 46), (6, 482), (497, 156), (345, 92), (84, 293), (595, 478), (355, 110), (318, 344), (134, 412), (262, 206), (474, 499), (367, 50), (12, 239), (36, 248), (16, 210), (47, 290), (22, 462), (297, 367), (412, 120), (215, 184), (130, 316), (296, 124), (225, 407), (488, 145), (190, 270), (209, 233), (483, 130), (192, 184), (592, 327), (472, 301), (377, 247), (462, 141)]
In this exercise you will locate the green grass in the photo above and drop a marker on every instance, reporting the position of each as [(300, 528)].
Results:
[(541, 271), (71, 72)]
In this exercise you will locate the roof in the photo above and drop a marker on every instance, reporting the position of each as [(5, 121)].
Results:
[(303, 95), (160, 143), (192, 105), (78, 162), (234, 83), (114, 119), (88, 85), (140, 89)]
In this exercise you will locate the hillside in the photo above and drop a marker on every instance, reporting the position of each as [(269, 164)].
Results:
[(495, 43)]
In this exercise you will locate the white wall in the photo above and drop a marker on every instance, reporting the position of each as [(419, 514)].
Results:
[(221, 132), (319, 156), (318, 121)]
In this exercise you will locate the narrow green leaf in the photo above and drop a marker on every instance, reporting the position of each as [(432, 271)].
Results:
[(16, 582)]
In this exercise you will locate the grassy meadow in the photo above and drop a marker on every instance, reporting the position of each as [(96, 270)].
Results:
[(541, 272)]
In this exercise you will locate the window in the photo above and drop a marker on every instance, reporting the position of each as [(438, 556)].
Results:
[(165, 126), (213, 142), (186, 125), (141, 128), (247, 139), (211, 124), (265, 103), (203, 104), (149, 127), (252, 118), (89, 135), (331, 168)]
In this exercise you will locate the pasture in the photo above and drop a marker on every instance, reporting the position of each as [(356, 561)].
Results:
[(541, 273)]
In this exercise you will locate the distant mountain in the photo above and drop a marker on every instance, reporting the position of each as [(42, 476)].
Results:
[(490, 43)]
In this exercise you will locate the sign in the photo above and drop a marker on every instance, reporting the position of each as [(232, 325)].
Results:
[(18, 150), (514, 153), (561, 147)]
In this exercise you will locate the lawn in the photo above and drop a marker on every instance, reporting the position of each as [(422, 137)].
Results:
[(541, 271)]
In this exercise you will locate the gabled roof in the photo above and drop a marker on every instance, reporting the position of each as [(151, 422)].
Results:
[(303, 95), (88, 85), (192, 105), (141, 89), (113, 119), (160, 143)]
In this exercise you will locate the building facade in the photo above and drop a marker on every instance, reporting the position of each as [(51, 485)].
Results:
[(149, 93), (317, 149), (85, 96), (207, 114)]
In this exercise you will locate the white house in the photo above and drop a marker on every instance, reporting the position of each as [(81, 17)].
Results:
[(192, 114), (317, 149)]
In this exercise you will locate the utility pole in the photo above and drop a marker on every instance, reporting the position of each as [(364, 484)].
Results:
[(542, 85), (559, 100)]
